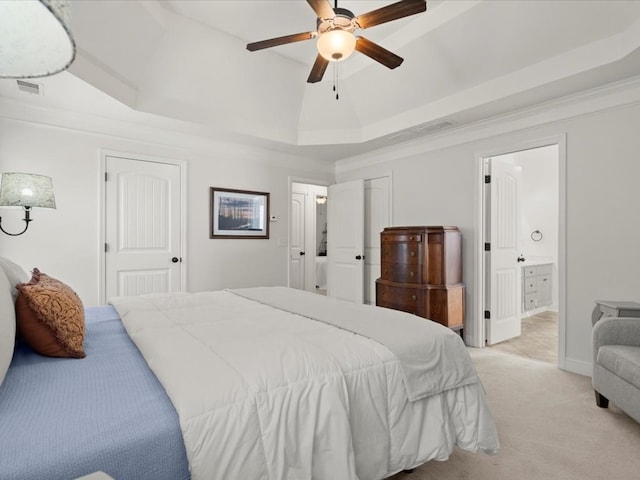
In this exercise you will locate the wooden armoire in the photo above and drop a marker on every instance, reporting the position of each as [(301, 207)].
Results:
[(421, 273)]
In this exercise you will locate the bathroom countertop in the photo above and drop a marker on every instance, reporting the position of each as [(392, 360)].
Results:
[(536, 261)]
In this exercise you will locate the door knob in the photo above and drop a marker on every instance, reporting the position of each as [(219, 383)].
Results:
[(301, 254), (175, 259), (521, 258), (358, 257)]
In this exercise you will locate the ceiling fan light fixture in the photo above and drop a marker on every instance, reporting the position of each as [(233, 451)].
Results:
[(336, 45)]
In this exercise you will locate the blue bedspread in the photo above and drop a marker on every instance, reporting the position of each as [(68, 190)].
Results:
[(64, 418)]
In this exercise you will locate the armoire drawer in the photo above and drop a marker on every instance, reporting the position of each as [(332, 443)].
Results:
[(402, 253), (400, 298), (401, 272), (400, 237)]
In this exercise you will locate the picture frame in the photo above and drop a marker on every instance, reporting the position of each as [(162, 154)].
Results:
[(238, 214)]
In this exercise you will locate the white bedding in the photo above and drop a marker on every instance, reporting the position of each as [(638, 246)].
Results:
[(264, 393)]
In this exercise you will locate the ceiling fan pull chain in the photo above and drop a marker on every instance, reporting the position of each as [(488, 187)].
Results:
[(335, 80)]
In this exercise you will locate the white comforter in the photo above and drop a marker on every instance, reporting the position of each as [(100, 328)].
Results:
[(264, 393)]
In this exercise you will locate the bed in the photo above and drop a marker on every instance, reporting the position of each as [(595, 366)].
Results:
[(260, 383)]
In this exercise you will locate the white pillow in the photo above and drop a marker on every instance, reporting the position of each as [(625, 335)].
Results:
[(15, 274), (7, 325)]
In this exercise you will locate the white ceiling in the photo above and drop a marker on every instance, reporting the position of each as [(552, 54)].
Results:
[(182, 64)]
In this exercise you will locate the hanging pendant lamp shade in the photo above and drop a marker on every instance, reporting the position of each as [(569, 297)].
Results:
[(35, 40)]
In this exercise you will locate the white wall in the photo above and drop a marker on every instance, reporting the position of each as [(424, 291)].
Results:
[(437, 186), (65, 242)]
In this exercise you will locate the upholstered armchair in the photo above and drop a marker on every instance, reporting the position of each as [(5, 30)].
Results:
[(616, 364)]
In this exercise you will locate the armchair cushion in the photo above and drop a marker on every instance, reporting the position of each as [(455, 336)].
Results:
[(616, 364), (621, 360)]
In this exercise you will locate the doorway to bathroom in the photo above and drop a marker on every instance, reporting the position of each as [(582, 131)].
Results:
[(522, 231)]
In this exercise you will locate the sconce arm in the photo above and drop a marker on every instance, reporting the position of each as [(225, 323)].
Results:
[(26, 220)]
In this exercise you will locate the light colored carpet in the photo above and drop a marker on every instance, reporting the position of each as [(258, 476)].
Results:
[(549, 427)]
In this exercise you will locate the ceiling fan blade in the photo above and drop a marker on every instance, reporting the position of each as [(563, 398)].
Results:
[(274, 42), (379, 54), (318, 69), (322, 8), (397, 10)]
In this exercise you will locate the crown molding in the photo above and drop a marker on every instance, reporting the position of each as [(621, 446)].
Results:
[(180, 136), (612, 96)]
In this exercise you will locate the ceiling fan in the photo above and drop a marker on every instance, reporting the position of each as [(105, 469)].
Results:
[(336, 38)]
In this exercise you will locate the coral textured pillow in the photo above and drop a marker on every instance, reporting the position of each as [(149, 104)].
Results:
[(50, 317)]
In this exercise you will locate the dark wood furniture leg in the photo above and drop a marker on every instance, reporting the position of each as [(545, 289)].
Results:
[(601, 400)]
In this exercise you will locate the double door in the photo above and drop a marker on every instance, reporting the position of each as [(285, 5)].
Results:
[(357, 211)]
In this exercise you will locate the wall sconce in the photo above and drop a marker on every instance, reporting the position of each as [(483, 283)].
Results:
[(25, 190), (321, 199), (35, 40)]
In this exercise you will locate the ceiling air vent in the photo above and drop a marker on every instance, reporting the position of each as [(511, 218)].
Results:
[(29, 87), (424, 129), (434, 127)]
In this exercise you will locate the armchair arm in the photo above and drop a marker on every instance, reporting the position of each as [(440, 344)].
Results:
[(615, 331)]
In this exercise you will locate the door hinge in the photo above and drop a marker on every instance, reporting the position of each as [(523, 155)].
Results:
[(106, 247), (106, 177), (487, 315), (487, 247), (487, 179)]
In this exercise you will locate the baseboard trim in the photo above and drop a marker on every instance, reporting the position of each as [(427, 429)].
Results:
[(577, 366)]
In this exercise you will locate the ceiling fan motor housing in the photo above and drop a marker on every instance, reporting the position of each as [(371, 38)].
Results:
[(344, 20)]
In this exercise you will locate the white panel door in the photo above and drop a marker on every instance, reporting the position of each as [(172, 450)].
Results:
[(377, 217), (297, 241), (345, 242), (504, 269), (142, 231)]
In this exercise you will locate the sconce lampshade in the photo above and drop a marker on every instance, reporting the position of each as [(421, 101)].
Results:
[(26, 190), (35, 40), (336, 45)]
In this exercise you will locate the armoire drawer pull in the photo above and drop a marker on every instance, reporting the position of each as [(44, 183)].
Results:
[(411, 274), (413, 254), (413, 297)]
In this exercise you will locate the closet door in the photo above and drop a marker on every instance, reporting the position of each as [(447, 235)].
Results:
[(345, 217), (377, 218), (143, 252), (297, 241)]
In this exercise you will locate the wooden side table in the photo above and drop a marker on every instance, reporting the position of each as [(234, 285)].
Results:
[(613, 308)]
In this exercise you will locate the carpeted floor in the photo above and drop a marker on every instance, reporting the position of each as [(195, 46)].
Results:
[(549, 425)]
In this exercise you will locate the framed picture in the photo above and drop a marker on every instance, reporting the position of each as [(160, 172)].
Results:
[(238, 214)]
